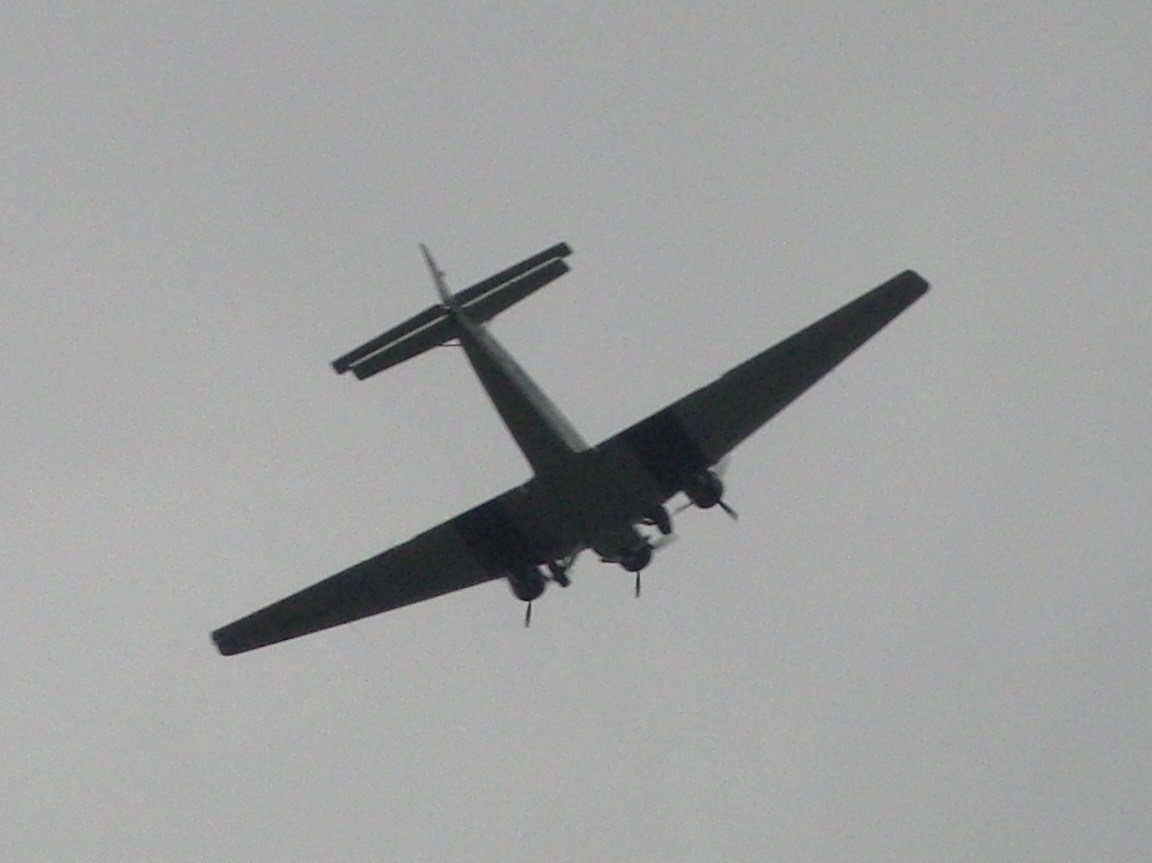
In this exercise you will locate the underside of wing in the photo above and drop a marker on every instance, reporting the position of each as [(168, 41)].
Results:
[(704, 426), (482, 544)]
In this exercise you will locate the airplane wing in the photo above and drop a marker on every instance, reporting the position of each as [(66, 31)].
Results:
[(482, 544), (697, 431)]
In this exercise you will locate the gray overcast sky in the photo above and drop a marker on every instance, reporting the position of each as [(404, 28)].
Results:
[(927, 638)]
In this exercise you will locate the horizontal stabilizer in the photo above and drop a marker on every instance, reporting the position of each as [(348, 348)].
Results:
[(410, 327), (413, 341), (484, 307), (435, 326), (560, 250)]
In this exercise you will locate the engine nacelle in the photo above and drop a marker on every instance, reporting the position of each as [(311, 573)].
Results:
[(705, 489), (638, 558), (527, 583)]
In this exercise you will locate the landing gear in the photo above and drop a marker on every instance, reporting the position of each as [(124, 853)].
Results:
[(528, 582), (559, 573), (658, 517)]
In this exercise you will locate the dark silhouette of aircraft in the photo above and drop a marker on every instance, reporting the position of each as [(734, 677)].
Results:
[(610, 498)]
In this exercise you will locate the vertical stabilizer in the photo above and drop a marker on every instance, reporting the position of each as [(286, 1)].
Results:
[(438, 277)]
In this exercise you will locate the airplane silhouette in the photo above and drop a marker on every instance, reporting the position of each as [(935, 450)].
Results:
[(610, 498)]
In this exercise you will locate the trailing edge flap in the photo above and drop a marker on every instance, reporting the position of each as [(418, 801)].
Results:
[(434, 326)]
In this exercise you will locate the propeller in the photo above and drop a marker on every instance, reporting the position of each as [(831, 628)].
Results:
[(655, 545), (528, 616), (731, 513), (708, 488), (718, 471)]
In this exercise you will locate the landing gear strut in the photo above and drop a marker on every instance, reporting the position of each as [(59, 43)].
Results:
[(658, 517), (559, 574)]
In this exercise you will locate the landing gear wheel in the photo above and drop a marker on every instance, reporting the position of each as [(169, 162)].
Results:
[(658, 517), (559, 574)]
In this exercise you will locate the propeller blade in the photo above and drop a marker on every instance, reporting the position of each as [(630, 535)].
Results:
[(637, 585), (735, 516), (528, 616)]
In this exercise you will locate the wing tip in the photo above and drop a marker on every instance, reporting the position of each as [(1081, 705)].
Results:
[(226, 646), (910, 283)]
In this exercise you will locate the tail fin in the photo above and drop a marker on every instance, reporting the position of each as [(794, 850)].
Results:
[(438, 277), (434, 326)]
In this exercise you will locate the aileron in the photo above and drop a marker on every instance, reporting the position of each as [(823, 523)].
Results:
[(721, 415), (685, 439), (429, 565)]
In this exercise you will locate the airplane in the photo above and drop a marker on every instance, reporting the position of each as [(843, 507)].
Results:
[(610, 498)]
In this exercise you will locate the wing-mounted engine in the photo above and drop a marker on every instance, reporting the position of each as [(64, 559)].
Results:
[(527, 583), (705, 489)]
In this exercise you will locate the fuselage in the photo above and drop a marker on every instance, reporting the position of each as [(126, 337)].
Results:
[(600, 502)]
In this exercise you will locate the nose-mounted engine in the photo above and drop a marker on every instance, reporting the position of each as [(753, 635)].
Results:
[(636, 559)]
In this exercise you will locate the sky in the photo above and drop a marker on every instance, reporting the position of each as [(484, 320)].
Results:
[(926, 638)]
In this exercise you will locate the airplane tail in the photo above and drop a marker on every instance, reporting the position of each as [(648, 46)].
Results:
[(446, 298), (435, 325)]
